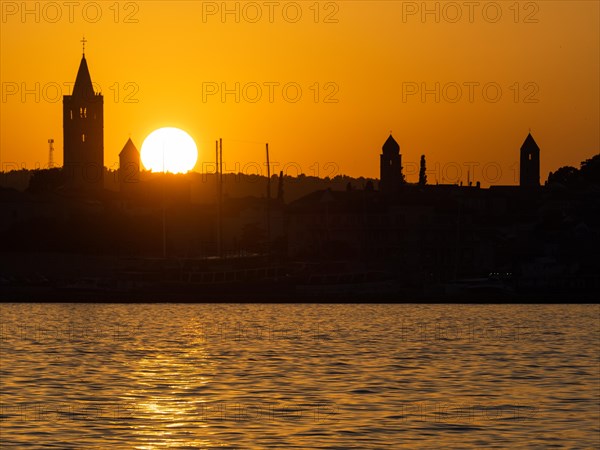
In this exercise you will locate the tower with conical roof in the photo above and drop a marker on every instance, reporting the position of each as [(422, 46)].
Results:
[(390, 169), (529, 169), (129, 166), (83, 132)]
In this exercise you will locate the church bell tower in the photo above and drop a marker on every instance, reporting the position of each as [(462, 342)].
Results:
[(83, 131), (390, 166), (529, 168)]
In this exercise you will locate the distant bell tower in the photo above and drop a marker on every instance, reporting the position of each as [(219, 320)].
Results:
[(129, 166), (529, 169), (390, 171), (83, 131)]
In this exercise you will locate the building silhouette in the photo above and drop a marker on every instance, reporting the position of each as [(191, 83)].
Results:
[(390, 170), (530, 163), (83, 131), (129, 166)]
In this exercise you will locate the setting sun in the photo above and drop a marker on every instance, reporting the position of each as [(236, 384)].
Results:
[(169, 150), (300, 224)]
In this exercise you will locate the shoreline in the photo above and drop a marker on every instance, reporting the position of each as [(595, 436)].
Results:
[(38, 294), (55, 277)]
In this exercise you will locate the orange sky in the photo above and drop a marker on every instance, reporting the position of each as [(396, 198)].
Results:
[(369, 56)]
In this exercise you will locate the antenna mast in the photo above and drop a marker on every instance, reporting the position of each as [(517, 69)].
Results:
[(268, 202), (220, 198)]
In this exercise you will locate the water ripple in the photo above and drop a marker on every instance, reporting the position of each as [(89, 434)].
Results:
[(254, 376)]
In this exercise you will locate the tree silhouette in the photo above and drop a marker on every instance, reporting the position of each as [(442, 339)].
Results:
[(590, 170), (422, 172), (46, 180), (571, 177), (567, 176)]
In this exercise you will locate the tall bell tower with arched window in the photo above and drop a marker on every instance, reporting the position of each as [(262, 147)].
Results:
[(83, 132), (390, 166), (530, 163)]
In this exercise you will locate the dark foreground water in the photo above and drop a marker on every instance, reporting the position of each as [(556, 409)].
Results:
[(299, 376)]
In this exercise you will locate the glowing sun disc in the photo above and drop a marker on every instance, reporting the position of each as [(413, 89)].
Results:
[(169, 150)]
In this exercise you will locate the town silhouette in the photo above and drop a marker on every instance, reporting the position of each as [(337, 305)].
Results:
[(83, 232)]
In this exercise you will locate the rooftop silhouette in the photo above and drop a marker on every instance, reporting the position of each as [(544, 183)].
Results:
[(225, 233)]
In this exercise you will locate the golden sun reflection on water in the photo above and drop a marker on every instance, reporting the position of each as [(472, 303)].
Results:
[(168, 396), (300, 376)]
